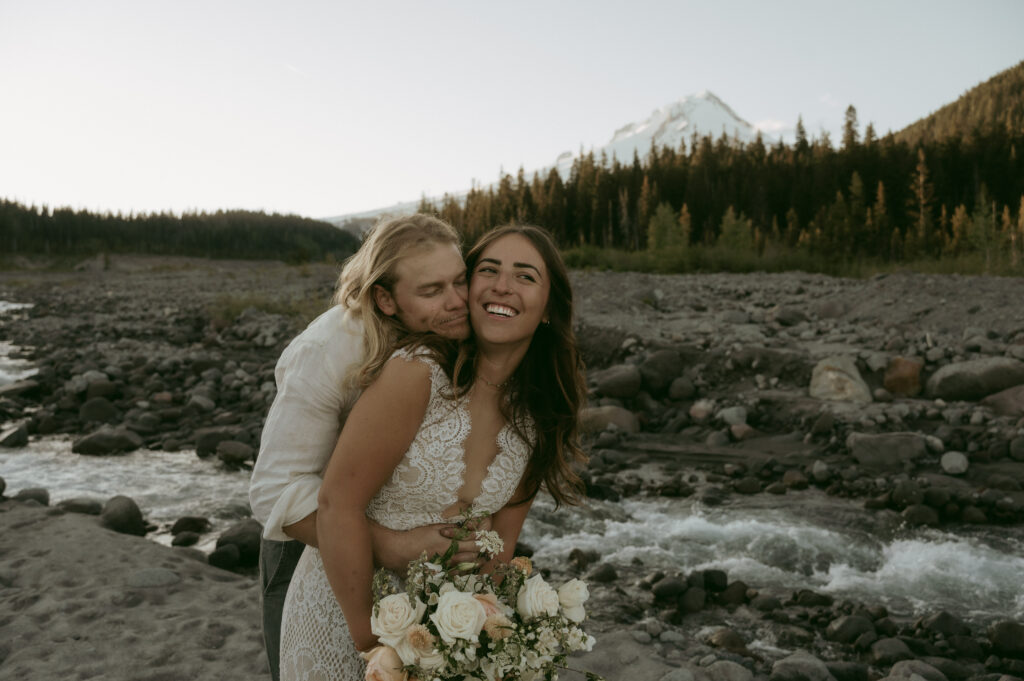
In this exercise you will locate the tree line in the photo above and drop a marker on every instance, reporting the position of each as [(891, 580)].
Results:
[(870, 197), (223, 234)]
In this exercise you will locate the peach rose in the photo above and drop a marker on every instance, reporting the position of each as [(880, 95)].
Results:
[(490, 603), (383, 664)]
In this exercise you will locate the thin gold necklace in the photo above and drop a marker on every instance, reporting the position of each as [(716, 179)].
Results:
[(499, 386)]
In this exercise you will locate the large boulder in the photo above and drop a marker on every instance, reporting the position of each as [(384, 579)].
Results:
[(122, 514), (245, 535), (1009, 402), (837, 379), (1007, 638), (886, 451), (15, 436), (800, 666), (660, 369), (596, 419), (622, 381), (107, 440), (975, 379)]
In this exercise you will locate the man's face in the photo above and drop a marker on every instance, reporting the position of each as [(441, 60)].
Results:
[(429, 293)]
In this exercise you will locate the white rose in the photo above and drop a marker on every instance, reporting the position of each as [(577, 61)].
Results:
[(571, 596), (459, 615), (395, 614), (537, 599)]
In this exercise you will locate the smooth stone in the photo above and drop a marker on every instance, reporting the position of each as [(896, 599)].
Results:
[(597, 419), (886, 451), (838, 379), (122, 514), (800, 666), (954, 463), (975, 379), (36, 494), (622, 381)]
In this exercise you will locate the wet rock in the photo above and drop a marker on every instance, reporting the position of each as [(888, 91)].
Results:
[(83, 505), (226, 557), (903, 376), (207, 439), (906, 493), (837, 379), (810, 599), (668, 589), (715, 581), (622, 381), (794, 479), (36, 494), (734, 594), (848, 671), (246, 536), (748, 485), (888, 651), (107, 440), (919, 514), (15, 436), (597, 419), (98, 409), (765, 603), (692, 600), (122, 514), (603, 573), (908, 669), (1007, 638), (848, 628), (945, 624), (186, 539), (886, 451), (190, 523), (954, 463), (234, 453), (800, 666), (975, 379)]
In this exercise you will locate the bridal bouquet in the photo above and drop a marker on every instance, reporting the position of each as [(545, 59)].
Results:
[(460, 624)]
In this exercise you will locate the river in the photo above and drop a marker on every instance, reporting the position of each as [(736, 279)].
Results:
[(802, 540)]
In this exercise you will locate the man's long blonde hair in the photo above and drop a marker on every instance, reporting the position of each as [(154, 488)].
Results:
[(374, 264)]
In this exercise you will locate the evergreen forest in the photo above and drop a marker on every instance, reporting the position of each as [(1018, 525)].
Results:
[(31, 230), (947, 191)]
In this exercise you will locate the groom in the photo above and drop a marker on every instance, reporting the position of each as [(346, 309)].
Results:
[(408, 276)]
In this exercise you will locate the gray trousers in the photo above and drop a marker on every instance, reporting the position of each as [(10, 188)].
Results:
[(277, 563)]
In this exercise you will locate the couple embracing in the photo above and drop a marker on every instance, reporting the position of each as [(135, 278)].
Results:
[(433, 384)]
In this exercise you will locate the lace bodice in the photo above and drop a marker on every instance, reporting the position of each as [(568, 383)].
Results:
[(427, 480)]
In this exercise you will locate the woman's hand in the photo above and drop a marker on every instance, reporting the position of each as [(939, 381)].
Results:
[(394, 549)]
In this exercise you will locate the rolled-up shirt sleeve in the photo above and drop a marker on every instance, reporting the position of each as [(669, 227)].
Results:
[(302, 426)]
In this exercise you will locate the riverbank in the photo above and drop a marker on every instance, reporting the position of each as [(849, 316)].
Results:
[(706, 389)]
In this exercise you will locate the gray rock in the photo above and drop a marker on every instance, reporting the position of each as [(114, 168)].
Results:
[(787, 316), (1007, 638), (603, 573), (623, 381), (733, 416), (122, 514), (678, 674), (246, 536), (207, 439), (681, 389), (18, 388), (975, 379), (235, 453), (837, 379), (98, 409), (888, 651), (660, 369), (800, 666), (668, 588), (946, 624), (225, 557), (847, 628), (596, 419), (84, 505), (886, 451), (201, 403), (727, 670), (15, 436), (107, 440), (919, 514), (1017, 449), (701, 410), (152, 577), (954, 463), (1009, 402), (906, 669), (37, 494)]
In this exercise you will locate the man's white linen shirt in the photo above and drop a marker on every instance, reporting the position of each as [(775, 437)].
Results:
[(305, 419)]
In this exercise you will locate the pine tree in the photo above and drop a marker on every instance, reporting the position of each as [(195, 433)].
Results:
[(880, 218), (959, 228), (983, 235), (684, 225), (802, 144), (922, 196), (661, 230), (850, 133), (736, 233)]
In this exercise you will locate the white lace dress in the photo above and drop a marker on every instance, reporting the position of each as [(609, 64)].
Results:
[(315, 643)]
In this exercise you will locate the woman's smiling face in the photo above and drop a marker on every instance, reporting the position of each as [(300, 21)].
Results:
[(508, 292)]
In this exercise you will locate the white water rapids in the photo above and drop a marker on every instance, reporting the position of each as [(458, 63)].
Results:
[(805, 540)]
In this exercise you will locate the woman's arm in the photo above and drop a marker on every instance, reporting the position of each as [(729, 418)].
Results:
[(376, 436), (508, 523)]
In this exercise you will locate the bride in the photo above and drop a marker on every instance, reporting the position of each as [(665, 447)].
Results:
[(485, 424)]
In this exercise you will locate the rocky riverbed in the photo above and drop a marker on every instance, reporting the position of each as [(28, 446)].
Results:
[(904, 393)]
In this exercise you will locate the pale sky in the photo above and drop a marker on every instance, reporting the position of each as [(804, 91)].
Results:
[(325, 108)]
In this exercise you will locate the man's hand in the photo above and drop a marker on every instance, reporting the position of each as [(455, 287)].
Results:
[(394, 549)]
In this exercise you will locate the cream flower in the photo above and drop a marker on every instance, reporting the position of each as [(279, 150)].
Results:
[(394, 615), (458, 615), (571, 596), (383, 664), (537, 599)]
